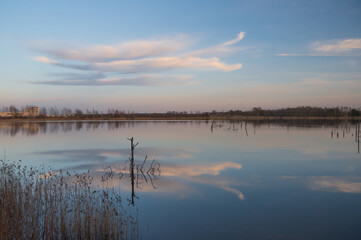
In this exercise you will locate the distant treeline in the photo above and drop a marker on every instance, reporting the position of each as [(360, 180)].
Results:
[(303, 112)]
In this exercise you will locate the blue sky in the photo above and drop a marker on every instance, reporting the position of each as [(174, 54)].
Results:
[(180, 55)]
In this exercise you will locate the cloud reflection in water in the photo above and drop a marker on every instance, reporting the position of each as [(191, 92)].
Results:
[(177, 179), (336, 184)]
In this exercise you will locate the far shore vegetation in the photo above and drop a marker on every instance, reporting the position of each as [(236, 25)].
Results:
[(53, 113)]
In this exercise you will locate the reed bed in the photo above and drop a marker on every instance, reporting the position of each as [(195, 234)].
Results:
[(38, 204)]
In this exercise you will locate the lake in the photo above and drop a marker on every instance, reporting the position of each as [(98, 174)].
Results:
[(212, 180)]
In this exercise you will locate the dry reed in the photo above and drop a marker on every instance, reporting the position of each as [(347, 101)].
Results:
[(38, 204)]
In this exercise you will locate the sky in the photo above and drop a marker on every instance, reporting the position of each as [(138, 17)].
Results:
[(157, 56)]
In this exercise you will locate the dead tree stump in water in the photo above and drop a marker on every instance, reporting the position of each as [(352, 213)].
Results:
[(131, 167)]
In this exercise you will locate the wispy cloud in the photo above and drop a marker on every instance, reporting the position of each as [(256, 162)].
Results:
[(335, 184), (221, 49), (43, 59), (164, 63), (197, 170), (233, 41), (137, 57), (126, 50), (337, 47), (99, 79), (345, 47), (149, 64)]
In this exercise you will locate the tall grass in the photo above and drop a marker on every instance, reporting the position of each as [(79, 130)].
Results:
[(38, 204)]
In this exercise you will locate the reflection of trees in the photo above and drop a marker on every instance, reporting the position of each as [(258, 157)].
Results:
[(27, 129), (33, 128), (248, 126), (78, 126), (54, 128)]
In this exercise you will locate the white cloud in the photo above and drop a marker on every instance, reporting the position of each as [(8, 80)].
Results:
[(346, 47), (43, 59), (101, 80), (127, 50), (136, 57), (233, 41), (149, 64), (336, 47), (220, 49), (163, 63)]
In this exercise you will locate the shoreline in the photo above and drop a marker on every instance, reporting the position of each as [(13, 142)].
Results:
[(180, 118)]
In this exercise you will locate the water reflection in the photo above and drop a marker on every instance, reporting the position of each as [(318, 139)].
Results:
[(177, 178), (242, 176), (159, 179), (338, 129), (342, 184), (336, 184), (33, 128), (96, 158), (153, 171), (137, 173)]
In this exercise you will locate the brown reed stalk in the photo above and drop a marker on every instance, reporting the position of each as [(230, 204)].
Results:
[(39, 204)]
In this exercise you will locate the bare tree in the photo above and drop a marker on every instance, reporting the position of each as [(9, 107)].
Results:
[(78, 113), (43, 111), (66, 111), (53, 111), (13, 110)]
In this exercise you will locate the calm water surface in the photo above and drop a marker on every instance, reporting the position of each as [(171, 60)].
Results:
[(214, 180)]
